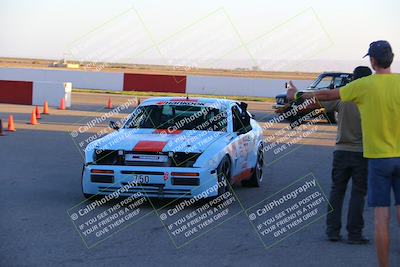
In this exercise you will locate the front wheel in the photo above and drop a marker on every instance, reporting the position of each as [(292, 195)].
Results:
[(224, 175), (87, 196), (257, 176)]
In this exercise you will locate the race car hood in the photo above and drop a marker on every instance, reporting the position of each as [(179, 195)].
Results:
[(150, 140)]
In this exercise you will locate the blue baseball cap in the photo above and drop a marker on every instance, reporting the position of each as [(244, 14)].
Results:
[(379, 49)]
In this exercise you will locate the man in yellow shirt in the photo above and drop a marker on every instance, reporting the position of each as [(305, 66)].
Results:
[(378, 100)]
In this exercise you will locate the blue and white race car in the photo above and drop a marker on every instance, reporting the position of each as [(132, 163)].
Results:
[(177, 147)]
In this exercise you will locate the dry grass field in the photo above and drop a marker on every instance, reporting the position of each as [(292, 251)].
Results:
[(159, 69)]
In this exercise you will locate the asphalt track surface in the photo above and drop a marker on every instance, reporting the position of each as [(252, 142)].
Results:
[(40, 174)]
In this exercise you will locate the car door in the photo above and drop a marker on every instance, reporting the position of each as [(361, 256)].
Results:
[(243, 143)]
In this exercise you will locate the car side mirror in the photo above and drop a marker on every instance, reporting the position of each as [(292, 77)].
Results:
[(331, 86), (114, 125)]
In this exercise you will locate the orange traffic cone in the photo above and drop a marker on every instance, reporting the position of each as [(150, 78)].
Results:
[(37, 113), (33, 118), (1, 128), (11, 127), (109, 103), (62, 104), (45, 108)]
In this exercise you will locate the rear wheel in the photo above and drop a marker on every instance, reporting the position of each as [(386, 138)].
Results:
[(224, 174), (332, 117), (257, 176)]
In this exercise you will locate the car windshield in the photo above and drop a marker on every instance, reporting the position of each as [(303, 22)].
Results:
[(321, 82), (178, 117)]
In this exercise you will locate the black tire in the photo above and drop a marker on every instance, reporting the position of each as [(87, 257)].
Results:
[(331, 117), (257, 175), (87, 196), (224, 173)]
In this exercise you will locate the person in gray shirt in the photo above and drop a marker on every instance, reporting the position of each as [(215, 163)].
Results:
[(348, 162)]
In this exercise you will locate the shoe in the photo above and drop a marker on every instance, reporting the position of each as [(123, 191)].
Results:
[(358, 241), (334, 238)]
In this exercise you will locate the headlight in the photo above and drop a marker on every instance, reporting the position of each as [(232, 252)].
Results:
[(182, 159), (105, 157)]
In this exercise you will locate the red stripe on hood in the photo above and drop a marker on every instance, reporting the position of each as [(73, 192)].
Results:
[(149, 146)]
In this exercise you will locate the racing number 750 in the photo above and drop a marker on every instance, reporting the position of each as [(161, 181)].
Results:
[(141, 179)]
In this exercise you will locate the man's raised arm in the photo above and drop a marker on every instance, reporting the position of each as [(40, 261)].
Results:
[(322, 95)]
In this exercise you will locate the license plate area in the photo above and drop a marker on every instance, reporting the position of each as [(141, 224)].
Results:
[(280, 101), (146, 158)]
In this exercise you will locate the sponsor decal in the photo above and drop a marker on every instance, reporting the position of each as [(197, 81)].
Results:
[(167, 131), (182, 102), (166, 175)]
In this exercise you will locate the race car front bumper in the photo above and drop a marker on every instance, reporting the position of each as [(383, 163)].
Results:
[(161, 182)]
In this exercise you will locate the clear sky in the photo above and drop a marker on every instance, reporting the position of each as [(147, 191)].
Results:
[(231, 32)]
